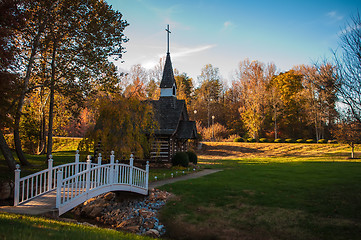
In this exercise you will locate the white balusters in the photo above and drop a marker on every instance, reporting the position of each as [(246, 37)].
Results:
[(50, 172)]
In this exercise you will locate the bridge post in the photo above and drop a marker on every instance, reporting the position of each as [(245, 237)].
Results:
[(100, 159), (111, 173), (99, 170), (131, 170), (17, 185), (88, 166), (59, 182), (147, 175), (77, 161), (50, 172)]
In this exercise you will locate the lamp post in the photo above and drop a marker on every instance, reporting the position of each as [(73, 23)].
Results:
[(213, 127), (195, 113)]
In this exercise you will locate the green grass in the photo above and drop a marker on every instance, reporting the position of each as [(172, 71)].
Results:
[(264, 198), (13, 226)]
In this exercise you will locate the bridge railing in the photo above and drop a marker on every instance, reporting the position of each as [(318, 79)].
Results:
[(75, 189), (31, 186)]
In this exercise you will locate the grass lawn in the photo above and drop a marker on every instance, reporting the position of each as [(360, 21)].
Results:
[(14, 227), (308, 195), (265, 191)]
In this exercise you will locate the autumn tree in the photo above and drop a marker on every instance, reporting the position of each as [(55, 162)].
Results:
[(252, 79), (289, 87), (184, 88), (124, 125), (209, 93), (348, 131)]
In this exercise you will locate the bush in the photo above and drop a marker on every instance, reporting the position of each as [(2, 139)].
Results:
[(238, 139), (300, 140), (278, 140), (263, 140), (251, 140), (180, 159), (192, 156), (310, 141), (289, 140), (332, 141), (219, 131), (322, 141)]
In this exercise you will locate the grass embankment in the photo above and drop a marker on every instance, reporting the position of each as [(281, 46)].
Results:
[(22, 227), (310, 193)]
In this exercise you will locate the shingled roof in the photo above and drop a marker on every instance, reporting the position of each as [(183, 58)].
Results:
[(168, 112), (168, 77)]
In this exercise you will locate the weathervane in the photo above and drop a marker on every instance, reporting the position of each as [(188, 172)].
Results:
[(168, 32)]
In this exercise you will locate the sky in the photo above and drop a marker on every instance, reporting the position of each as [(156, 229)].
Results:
[(225, 32)]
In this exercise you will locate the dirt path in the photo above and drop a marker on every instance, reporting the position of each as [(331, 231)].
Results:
[(182, 178)]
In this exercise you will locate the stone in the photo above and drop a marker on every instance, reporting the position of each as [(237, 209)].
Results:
[(95, 211), (109, 196), (152, 233), (5, 190), (132, 229)]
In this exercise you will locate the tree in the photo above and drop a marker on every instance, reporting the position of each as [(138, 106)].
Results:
[(81, 37), (252, 79), (348, 131), (124, 125), (12, 18), (184, 87), (289, 86), (320, 96), (348, 62), (210, 90)]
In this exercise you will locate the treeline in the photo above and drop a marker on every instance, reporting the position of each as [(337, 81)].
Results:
[(258, 102)]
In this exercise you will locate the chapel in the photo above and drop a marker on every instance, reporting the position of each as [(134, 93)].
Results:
[(174, 127)]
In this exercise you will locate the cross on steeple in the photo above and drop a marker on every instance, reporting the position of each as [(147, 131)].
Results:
[(168, 32)]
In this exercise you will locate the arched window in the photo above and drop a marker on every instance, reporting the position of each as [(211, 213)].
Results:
[(173, 90)]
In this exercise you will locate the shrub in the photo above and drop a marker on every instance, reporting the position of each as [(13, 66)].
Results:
[(251, 140), (322, 141), (278, 140), (192, 156), (219, 131), (289, 140), (180, 159), (332, 141), (263, 140), (238, 139), (310, 141), (300, 140)]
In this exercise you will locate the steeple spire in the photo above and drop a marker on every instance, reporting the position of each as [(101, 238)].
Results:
[(168, 32), (168, 87)]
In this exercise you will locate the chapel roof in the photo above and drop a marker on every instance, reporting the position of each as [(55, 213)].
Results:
[(169, 111), (168, 77)]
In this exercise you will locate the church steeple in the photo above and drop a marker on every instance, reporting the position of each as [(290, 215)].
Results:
[(168, 86)]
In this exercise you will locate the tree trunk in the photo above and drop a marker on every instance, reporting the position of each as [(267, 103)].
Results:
[(17, 141), (7, 152), (352, 150), (51, 104), (42, 134)]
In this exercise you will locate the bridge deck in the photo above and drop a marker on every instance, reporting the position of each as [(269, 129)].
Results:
[(37, 206)]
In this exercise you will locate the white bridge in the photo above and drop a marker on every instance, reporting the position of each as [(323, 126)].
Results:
[(73, 183)]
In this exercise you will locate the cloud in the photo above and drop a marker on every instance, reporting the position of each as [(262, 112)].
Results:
[(226, 24), (334, 16), (189, 51)]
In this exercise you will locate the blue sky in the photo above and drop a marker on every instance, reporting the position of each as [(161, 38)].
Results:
[(223, 33)]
